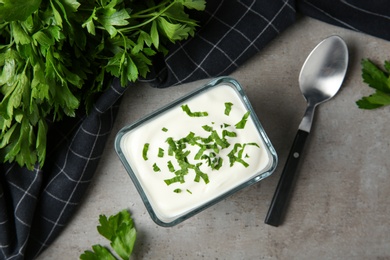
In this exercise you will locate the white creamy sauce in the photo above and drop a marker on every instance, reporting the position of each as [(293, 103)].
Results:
[(167, 204)]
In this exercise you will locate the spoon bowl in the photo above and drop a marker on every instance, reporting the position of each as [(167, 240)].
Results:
[(320, 79)]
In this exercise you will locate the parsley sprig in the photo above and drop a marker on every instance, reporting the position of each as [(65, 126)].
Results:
[(378, 79), (119, 229), (56, 55)]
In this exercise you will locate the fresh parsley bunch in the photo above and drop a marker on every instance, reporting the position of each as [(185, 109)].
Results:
[(56, 54), (378, 79)]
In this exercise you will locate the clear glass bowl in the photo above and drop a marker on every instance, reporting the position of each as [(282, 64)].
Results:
[(170, 204)]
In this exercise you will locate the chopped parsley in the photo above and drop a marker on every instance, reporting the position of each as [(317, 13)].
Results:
[(174, 180), (207, 128), (160, 152), (207, 154), (236, 154), (201, 175), (171, 168), (180, 190), (193, 114), (242, 123), (222, 142), (145, 151), (228, 133), (228, 108), (156, 168)]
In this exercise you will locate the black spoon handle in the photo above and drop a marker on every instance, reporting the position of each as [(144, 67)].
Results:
[(282, 193)]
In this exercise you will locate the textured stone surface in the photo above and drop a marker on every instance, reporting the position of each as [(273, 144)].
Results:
[(339, 208)]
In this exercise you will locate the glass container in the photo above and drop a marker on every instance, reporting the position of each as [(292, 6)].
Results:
[(225, 163)]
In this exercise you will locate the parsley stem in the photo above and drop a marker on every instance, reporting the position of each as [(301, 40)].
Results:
[(155, 16), (148, 10)]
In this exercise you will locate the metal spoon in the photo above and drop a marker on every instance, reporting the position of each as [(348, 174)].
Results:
[(320, 79)]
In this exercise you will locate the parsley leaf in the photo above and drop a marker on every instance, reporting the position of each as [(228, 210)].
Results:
[(378, 79), (193, 4), (99, 252), (119, 229), (13, 10)]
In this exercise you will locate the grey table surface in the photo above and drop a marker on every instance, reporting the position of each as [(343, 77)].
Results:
[(340, 205)]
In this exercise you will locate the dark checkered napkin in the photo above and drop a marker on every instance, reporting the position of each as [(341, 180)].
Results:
[(370, 17)]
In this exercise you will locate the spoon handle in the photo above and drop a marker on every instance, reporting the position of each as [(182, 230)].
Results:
[(286, 181)]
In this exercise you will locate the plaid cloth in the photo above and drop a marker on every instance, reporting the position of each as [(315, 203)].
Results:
[(36, 205), (370, 17)]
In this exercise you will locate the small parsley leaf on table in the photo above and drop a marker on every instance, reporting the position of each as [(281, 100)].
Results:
[(119, 229), (378, 79)]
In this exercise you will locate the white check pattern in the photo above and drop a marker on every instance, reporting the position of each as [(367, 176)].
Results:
[(36, 205)]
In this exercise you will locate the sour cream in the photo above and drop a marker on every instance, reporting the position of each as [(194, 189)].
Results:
[(175, 123)]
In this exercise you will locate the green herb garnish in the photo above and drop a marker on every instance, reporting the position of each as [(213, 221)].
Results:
[(164, 129), (119, 229), (201, 175), (160, 152), (207, 128), (379, 80), (242, 123), (228, 108), (145, 151), (156, 168), (208, 153), (172, 146), (232, 154), (222, 142), (193, 114), (171, 168), (236, 154), (228, 133), (200, 152), (174, 180)]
